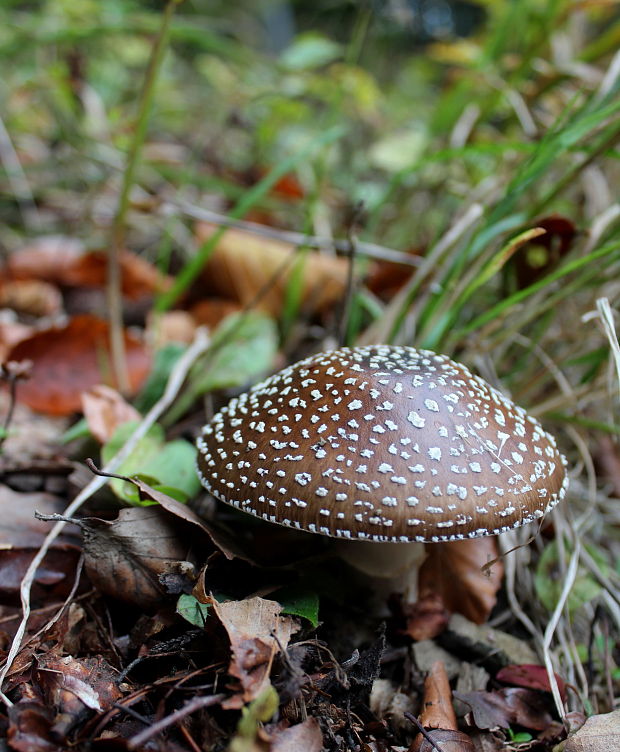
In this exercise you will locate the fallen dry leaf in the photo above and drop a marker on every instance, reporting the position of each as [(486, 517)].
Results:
[(21, 536), (105, 409), (438, 717), (600, 733), (426, 618), (126, 557), (245, 264), (212, 311), (31, 297), (46, 258), (507, 707), (70, 359), (12, 332), (257, 632), (530, 676), (138, 276), (166, 328), (30, 728), (455, 571), (303, 737), (75, 687)]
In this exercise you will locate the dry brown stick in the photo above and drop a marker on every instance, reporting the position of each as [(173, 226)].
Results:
[(191, 707), (370, 250)]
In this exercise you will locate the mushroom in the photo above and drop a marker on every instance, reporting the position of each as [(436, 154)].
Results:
[(382, 444)]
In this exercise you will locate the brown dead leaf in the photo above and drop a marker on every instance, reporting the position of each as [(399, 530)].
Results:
[(304, 737), (32, 297), (531, 676), (212, 311), (600, 733), (70, 359), (438, 717), (75, 687), (126, 557), (245, 264), (12, 332), (173, 326), (138, 276), (20, 538), (506, 707), (257, 632), (30, 728), (105, 410), (46, 258), (455, 571), (426, 618)]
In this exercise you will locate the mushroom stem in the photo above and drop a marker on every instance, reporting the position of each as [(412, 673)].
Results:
[(396, 565)]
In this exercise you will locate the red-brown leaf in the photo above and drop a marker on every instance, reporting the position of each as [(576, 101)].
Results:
[(71, 359)]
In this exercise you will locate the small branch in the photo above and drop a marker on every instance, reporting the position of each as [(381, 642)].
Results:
[(191, 707), (114, 281), (370, 250), (12, 372), (177, 377)]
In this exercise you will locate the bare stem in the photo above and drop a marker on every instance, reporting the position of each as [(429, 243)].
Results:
[(113, 287)]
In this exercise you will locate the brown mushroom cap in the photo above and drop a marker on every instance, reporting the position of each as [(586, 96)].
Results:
[(382, 443)]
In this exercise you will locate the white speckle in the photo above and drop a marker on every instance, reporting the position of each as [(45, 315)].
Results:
[(475, 467), (434, 453), (354, 405), (517, 458), (416, 468), (385, 468), (431, 405), (480, 490), (361, 468), (389, 501), (398, 479), (321, 491), (416, 420), (496, 467), (341, 497), (303, 478)]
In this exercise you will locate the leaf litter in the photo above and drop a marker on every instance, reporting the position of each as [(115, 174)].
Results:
[(184, 632)]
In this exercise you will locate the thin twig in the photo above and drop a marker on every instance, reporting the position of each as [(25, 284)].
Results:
[(370, 250), (114, 281), (191, 707), (177, 377), (410, 717)]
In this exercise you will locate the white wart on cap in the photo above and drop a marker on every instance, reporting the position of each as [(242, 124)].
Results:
[(382, 443)]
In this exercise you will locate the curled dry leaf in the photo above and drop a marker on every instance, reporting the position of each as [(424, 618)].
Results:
[(457, 571), (21, 536), (30, 728), (171, 327), (75, 687), (138, 276), (303, 737), (212, 311), (600, 733), (126, 557), (105, 409), (438, 717), (12, 332), (257, 632), (70, 359), (47, 258), (530, 676), (507, 707), (32, 297), (244, 265)]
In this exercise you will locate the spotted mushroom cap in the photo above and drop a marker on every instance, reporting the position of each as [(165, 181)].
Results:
[(382, 443)]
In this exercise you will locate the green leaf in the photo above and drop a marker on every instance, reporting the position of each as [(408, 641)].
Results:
[(163, 364), (310, 50), (243, 348), (157, 462), (549, 582), (299, 601), (192, 610)]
